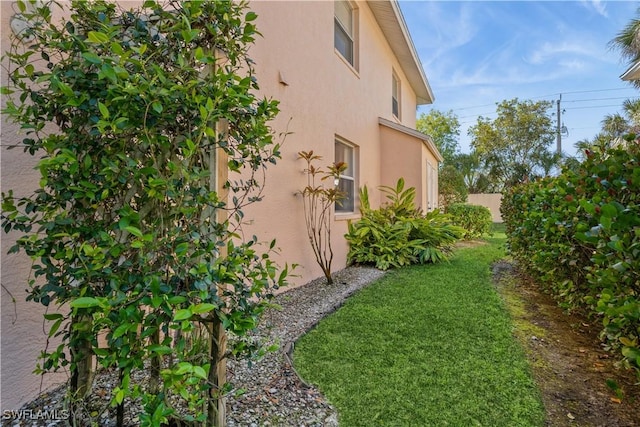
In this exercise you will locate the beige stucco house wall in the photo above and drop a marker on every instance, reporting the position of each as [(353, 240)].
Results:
[(323, 97), (22, 336), (415, 152)]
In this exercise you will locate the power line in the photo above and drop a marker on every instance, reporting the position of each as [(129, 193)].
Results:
[(583, 91), (490, 113), (493, 113), (478, 115), (593, 106), (554, 97), (553, 100), (597, 99), (598, 90), (475, 106)]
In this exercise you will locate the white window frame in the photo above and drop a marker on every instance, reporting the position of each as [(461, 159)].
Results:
[(347, 206), (396, 98), (431, 187), (342, 33)]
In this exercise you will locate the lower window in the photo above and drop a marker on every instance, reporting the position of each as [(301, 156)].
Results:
[(347, 183)]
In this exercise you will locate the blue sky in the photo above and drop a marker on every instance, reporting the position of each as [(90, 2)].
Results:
[(478, 53)]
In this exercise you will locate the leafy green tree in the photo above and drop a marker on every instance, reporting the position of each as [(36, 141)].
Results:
[(444, 129), (513, 146), (451, 186), (549, 161), (582, 146), (614, 125), (628, 43), (575, 234), (473, 174), (152, 140), (613, 129), (631, 108)]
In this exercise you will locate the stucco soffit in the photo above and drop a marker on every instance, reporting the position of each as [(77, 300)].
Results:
[(393, 26), (426, 139)]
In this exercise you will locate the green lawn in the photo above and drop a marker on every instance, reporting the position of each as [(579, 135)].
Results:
[(425, 346)]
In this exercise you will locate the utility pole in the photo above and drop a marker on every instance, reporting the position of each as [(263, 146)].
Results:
[(559, 127)]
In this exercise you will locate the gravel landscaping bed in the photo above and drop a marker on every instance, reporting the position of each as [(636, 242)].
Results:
[(273, 394)]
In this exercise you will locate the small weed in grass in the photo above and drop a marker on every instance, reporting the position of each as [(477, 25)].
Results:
[(425, 346)]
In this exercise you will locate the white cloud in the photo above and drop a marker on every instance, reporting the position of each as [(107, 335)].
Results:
[(596, 5), (479, 53), (446, 30), (551, 50), (483, 54), (572, 65)]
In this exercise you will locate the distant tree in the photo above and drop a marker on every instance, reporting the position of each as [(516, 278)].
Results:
[(451, 186), (600, 143), (474, 176), (582, 146), (628, 43), (632, 110), (615, 125), (572, 163), (613, 129), (444, 129), (512, 147), (549, 161)]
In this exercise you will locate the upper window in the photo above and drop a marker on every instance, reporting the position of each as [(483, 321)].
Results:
[(347, 182), (395, 95), (344, 30)]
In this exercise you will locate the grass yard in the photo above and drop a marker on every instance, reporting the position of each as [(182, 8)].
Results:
[(425, 346)]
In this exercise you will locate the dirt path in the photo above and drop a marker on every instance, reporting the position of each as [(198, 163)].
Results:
[(568, 363)]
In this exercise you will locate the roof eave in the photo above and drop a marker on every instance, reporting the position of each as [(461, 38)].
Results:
[(397, 34), (633, 73), (426, 139)]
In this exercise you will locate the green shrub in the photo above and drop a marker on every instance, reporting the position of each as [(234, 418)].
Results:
[(475, 220), (580, 234), (398, 234), (134, 245)]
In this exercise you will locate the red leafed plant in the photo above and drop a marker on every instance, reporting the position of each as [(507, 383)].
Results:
[(319, 201)]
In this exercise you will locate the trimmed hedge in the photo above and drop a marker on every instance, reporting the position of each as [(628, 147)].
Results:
[(579, 233), (476, 220)]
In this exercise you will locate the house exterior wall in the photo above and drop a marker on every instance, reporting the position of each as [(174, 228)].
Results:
[(323, 98), (402, 156), (408, 157), (22, 336)]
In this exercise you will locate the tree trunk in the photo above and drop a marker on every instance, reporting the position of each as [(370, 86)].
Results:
[(327, 275), (154, 378), (82, 356), (216, 405), (120, 408)]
